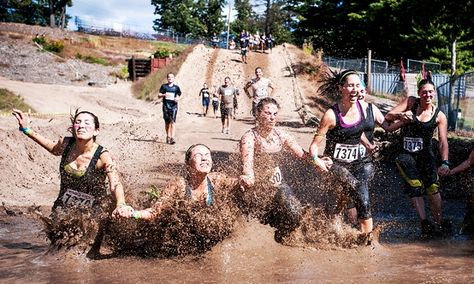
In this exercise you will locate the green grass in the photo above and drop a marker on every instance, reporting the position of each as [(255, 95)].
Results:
[(147, 88), (92, 59), (9, 100)]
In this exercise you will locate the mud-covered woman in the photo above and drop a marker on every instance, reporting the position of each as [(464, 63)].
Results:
[(192, 213), (417, 162), (340, 132), (88, 174), (264, 193)]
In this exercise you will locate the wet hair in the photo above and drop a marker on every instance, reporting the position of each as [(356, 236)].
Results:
[(266, 101), (424, 82), (332, 80), (77, 113), (227, 78), (171, 73), (187, 156), (258, 68)]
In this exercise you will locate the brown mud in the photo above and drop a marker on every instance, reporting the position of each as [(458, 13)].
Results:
[(239, 249)]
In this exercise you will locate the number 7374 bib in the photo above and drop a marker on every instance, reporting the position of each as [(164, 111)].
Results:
[(348, 152)]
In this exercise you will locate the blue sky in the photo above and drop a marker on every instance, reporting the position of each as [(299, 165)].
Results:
[(136, 15)]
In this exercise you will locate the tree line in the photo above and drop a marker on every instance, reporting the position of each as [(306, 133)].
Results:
[(437, 30)]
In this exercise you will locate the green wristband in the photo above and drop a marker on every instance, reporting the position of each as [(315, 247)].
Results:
[(26, 130), (136, 215)]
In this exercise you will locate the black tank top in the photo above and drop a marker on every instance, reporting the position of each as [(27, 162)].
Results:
[(417, 136), (369, 124), (92, 183), (348, 135)]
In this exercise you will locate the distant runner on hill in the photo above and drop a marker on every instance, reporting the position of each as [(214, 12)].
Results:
[(226, 93), (205, 95), (171, 94), (260, 88)]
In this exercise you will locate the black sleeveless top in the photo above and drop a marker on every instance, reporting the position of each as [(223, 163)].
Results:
[(417, 136), (87, 189), (344, 134)]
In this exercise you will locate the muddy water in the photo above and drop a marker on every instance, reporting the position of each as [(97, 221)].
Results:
[(249, 255)]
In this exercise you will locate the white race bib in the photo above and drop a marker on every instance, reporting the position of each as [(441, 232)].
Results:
[(76, 198), (227, 92), (206, 95), (347, 152), (169, 96), (412, 144), (362, 151), (276, 177)]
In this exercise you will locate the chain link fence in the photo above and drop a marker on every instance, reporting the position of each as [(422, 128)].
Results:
[(456, 100), (122, 30)]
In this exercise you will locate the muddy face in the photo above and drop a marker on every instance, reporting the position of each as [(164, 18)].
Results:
[(201, 160), (84, 127)]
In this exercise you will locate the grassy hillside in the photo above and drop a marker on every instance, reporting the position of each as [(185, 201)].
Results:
[(9, 100)]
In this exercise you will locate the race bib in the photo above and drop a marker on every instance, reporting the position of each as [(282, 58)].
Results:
[(205, 94), (76, 198), (347, 152), (276, 177), (227, 92), (412, 144), (362, 151), (169, 96)]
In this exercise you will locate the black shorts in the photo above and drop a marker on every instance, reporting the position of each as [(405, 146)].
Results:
[(419, 172), (169, 114), (225, 111)]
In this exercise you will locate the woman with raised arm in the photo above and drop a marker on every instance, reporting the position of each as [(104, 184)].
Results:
[(85, 166)]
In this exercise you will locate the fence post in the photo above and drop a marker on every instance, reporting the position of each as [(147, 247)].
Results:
[(131, 66), (369, 70)]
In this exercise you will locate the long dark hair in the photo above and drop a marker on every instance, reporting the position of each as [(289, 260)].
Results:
[(332, 80), (77, 113)]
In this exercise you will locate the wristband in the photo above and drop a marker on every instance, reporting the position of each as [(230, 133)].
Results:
[(26, 130), (446, 163), (121, 204), (315, 159), (136, 215)]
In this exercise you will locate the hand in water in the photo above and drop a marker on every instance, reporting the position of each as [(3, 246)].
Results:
[(323, 164), (246, 181), (124, 211)]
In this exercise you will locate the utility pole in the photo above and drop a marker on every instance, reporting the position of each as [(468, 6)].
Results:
[(228, 24)]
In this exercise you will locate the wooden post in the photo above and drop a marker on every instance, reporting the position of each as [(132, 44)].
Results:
[(369, 70), (131, 66)]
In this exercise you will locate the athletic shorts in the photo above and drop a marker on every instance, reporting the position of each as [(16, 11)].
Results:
[(205, 101), (419, 172), (169, 114), (226, 112)]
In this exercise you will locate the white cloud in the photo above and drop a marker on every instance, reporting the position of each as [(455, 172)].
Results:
[(136, 15)]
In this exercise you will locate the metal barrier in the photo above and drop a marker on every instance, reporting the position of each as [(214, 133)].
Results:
[(456, 100)]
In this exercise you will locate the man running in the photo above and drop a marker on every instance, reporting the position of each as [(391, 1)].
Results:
[(226, 94), (204, 93), (259, 86), (171, 94)]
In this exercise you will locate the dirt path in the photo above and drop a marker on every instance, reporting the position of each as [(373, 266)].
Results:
[(133, 130)]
